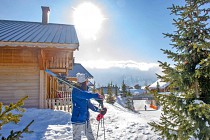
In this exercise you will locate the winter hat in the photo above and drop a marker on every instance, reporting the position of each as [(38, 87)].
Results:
[(80, 77)]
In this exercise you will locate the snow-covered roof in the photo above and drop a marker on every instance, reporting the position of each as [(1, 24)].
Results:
[(162, 84), (78, 68), (36, 34), (137, 91), (164, 93)]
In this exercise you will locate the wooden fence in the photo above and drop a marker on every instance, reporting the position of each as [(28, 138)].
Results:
[(62, 102)]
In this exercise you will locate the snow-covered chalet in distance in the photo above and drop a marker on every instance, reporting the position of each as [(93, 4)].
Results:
[(159, 85)]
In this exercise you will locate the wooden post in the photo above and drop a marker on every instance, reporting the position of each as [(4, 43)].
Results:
[(50, 87), (41, 87), (65, 100), (53, 103), (46, 85), (49, 103)]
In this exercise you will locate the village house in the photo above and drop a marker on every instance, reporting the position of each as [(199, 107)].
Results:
[(104, 90), (27, 49), (72, 76), (159, 86), (78, 68)]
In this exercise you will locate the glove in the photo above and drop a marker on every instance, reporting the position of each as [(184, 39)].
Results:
[(103, 111), (101, 114), (99, 117), (100, 96)]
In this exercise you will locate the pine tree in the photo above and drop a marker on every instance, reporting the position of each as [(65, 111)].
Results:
[(111, 84), (128, 93), (6, 116), (129, 101), (102, 91), (116, 90), (186, 111), (94, 87), (124, 89), (158, 87), (110, 97)]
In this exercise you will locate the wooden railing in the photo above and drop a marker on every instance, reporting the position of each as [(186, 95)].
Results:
[(59, 63), (61, 102), (63, 94)]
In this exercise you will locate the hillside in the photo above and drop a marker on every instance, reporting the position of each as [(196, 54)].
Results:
[(120, 124)]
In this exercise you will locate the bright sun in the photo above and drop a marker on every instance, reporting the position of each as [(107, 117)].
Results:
[(88, 19)]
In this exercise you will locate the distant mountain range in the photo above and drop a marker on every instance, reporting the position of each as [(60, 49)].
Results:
[(131, 76)]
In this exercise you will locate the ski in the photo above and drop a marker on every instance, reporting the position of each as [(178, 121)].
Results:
[(69, 84), (59, 78)]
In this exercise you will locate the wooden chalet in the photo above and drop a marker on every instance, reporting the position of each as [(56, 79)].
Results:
[(27, 49), (159, 86)]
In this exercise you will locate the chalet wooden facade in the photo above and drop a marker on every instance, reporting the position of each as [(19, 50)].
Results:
[(27, 49)]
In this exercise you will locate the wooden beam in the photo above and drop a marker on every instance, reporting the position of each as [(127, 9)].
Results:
[(41, 59), (72, 78), (58, 70), (41, 45)]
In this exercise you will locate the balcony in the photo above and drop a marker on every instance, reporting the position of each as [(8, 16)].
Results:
[(56, 60)]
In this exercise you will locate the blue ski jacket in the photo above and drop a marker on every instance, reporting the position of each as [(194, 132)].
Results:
[(80, 105)]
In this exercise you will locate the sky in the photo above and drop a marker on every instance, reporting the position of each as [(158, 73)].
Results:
[(117, 37), (53, 124)]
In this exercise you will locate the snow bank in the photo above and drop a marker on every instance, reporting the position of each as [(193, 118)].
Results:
[(120, 124)]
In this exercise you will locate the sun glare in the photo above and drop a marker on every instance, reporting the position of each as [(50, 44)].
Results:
[(88, 19)]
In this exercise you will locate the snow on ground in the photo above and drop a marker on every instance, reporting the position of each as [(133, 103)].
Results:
[(120, 124)]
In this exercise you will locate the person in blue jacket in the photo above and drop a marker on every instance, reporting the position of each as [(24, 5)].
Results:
[(80, 114)]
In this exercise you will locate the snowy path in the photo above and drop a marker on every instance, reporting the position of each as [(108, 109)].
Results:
[(120, 124), (125, 125), (139, 105)]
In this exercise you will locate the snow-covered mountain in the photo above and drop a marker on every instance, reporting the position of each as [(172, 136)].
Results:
[(130, 76)]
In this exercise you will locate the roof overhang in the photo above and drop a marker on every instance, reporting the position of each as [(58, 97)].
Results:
[(40, 45)]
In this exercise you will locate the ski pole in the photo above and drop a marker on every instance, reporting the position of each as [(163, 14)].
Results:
[(104, 129), (100, 105), (98, 130), (102, 125), (100, 119)]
